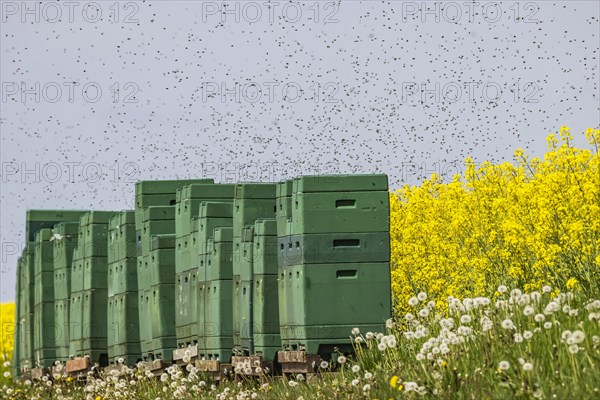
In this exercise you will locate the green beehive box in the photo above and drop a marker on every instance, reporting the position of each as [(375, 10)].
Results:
[(201, 293), (241, 309), (190, 198), (183, 254), (162, 313), (212, 215), (284, 205), (61, 313), (265, 314), (122, 277), (166, 186), (62, 283), (94, 323), (340, 183), (122, 237), (77, 275), (195, 247), (156, 221), (144, 306), (94, 240), (26, 344), (244, 267), (334, 248), (243, 316), (183, 304), (218, 321), (40, 219), (359, 295), (252, 201), (265, 252), (219, 265), (95, 273), (123, 327), (162, 260), (75, 318), (44, 252), (186, 298), (340, 212), (44, 287), (44, 334)]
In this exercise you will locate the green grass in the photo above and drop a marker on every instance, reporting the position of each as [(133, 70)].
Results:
[(458, 360)]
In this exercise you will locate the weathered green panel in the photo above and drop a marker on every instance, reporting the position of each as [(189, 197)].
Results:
[(340, 212), (340, 183)]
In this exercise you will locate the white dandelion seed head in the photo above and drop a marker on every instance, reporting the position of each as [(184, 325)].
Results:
[(539, 318), (413, 301), (465, 319), (342, 359), (547, 325), (355, 368), (368, 375), (504, 365), (527, 335), (424, 312), (528, 311), (527, 366), (355, 382), (507, 324), (355, 331), (573, 349), (366, 388), (422, 296), (502, 289), (381, 346)]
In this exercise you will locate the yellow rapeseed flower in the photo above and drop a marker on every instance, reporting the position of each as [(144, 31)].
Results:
[(526, 224)]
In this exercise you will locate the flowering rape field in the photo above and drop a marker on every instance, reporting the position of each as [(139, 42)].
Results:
[(496, 282)]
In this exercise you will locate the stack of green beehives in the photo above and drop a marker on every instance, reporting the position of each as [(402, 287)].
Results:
[(263, 338), (123, 317), (161, 277), (89, 288), (65, 239), (36, 327), (189, 199), (252, 201), (44, 336), (215, 276), (155, 215), (24, 340), (335, 251)]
